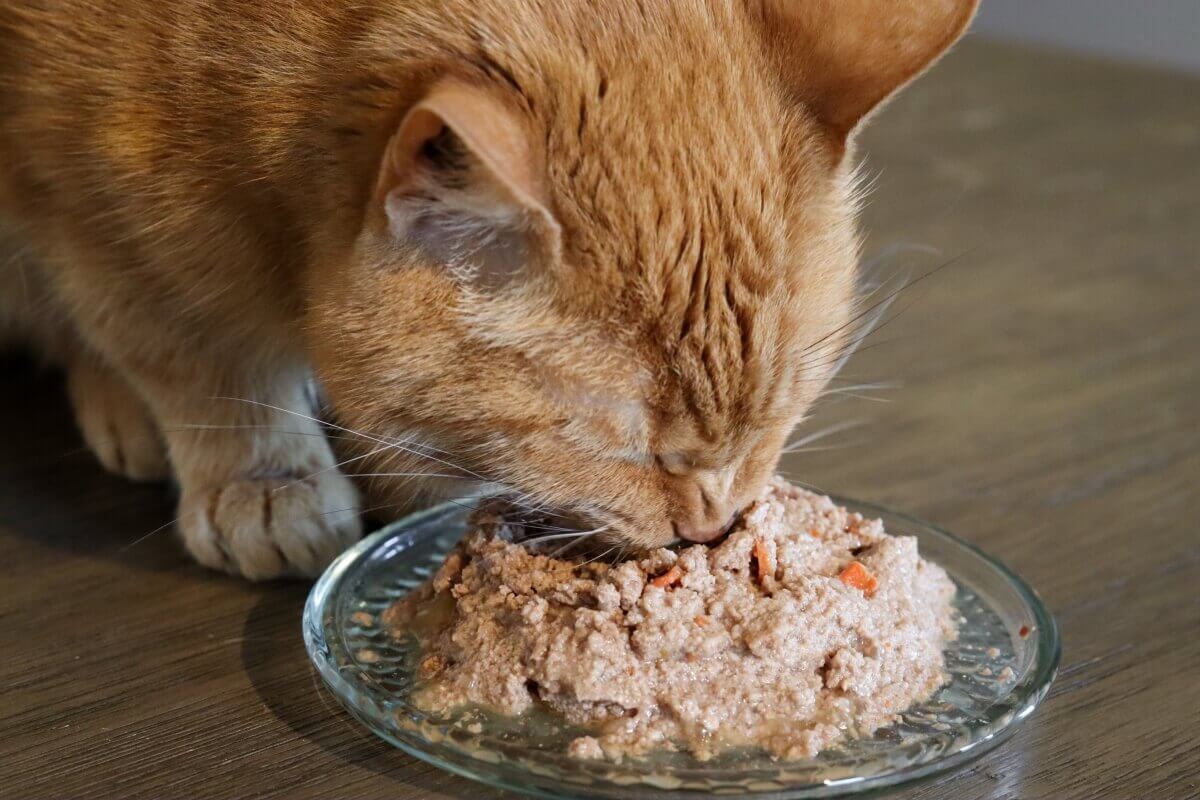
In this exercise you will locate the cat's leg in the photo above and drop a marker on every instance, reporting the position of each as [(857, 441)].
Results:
[(115, 422), (31, 318), (261, 493)]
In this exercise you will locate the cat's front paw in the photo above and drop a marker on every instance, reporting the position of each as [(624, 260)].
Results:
[(271, 527)]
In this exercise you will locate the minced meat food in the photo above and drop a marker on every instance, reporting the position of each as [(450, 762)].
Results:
[(807, 623)]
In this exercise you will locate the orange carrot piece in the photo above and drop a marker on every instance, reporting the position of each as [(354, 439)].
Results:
[(668, 578), (701, 620), (766, 566), (860, 578), (813, 532)]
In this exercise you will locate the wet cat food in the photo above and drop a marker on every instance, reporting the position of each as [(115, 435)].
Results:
[(806, 624)]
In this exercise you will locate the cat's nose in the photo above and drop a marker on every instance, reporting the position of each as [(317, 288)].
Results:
[(702, 533)]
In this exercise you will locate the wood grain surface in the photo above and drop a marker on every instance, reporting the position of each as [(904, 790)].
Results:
[(1050, 412)]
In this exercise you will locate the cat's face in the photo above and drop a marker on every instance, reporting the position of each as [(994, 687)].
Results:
[(616, 279)]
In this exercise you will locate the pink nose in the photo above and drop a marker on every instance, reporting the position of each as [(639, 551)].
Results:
[(702, 535)]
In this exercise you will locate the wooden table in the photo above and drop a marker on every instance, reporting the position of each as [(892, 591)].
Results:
[(1050, 412)]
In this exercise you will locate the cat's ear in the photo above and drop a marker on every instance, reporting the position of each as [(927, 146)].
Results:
[(460, 181), (842, 58)]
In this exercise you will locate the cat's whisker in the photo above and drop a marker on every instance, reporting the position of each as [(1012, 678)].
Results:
[(838, 352), (869, 326), (376, 439), (366, 510), (894, 249), (428, 446), (520, 499), (830, 379), (404, 448), (461, 502), (868, 397), (329, 468), (348, 509), (598, 557), (818, 448), (86, 448), (467, 504), (541, 510), (559, 551), (857, 316), (816, 436), (411, 446), (267, 428), (535, 526), (294, 413), (412, 440), (858, 391), (863, 387), (146, 536), (840, 359), (568, 535), (791, 477), (870, 320), (401, 475)]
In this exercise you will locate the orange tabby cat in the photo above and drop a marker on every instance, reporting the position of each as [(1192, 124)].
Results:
[(601, 253)]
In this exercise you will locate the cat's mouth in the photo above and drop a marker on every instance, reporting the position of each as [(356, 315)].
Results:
[(573, 533)]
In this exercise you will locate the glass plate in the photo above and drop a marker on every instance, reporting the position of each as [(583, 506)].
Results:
[(1000, 667)]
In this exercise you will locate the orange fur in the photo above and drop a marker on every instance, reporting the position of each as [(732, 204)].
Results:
[(668, 226)]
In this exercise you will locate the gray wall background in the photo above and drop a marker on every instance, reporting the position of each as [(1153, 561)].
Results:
[(1163, 32)]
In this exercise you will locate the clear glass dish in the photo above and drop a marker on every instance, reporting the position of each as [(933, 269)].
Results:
[(1001, 666)]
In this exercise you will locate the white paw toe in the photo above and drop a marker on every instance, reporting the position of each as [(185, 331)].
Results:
[(267, 528)]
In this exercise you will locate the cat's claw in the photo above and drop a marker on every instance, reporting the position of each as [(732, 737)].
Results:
[(270, 528)]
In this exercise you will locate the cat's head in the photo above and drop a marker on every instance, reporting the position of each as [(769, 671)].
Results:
[(610, 257)]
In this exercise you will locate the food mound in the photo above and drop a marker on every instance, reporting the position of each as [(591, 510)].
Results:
[(806, 624)]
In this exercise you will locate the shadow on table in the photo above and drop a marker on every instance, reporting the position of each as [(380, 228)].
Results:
[(278, 667), (54, 492)]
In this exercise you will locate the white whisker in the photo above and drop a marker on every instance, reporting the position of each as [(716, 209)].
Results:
[(401, 475), (376, 439), (144, 537), (268, 428), (791, 476), (821, 434), (569, 535), (863, 387), (597, 558), (817, 449), (331, 467), (858, 390)]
